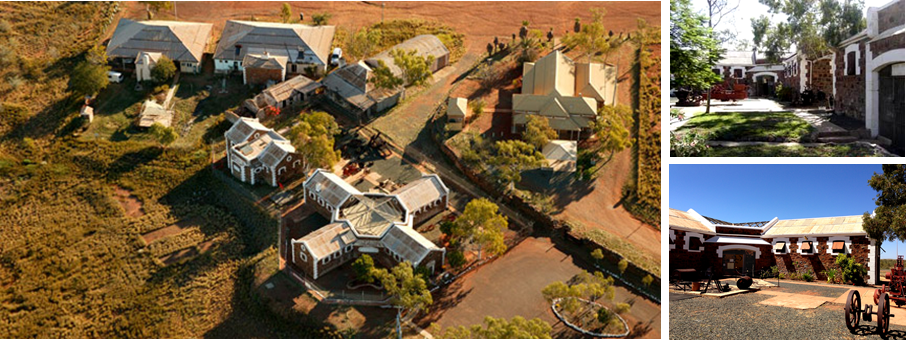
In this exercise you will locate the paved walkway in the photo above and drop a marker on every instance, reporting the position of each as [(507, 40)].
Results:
[(808, 299)]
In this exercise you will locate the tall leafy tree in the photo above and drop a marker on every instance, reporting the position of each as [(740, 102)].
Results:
[(693, 50), (593, 39), (888, 222), (538, 131), (314, 140), (363, 43), (416, 69), (163, 70), (516, 328), (88, 78), (408, 290), (383, 77), (812, 26), (483, 226), (612, 128), (512, 157)]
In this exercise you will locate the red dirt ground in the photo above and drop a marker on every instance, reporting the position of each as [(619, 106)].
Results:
[(511, 285), (130, 204)]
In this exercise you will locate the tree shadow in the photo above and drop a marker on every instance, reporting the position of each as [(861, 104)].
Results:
[(450, 297)]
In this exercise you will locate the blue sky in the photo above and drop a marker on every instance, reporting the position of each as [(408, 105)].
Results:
[(751, 193)]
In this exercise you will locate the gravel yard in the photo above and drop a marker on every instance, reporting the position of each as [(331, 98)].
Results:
[(741, 317), (804, 289)]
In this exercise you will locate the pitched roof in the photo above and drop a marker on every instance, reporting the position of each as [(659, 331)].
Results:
[(372, 214), (243, 128), (597, 81), (180, 41), (275, 152), (285, 90), (407, 243), (330, 187), (683, 220), (422, 191), (152, 57), (554, 73), (277, 38), (264, 61), (736, 58), (456, 107), (818, 226), (328, 239), (424, 45), (561, 155), (351, 82)]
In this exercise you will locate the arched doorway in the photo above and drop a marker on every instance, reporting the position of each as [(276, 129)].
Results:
[(890, 111), (765, 84), (739, 261)]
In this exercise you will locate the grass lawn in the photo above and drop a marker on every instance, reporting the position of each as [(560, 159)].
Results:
[(621, 246), (760, 126), (849, 150)]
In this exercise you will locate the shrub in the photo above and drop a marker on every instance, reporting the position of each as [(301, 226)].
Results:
[(831, 275), (622, 265), (477, 108), (161, 89), (807, 276), (623, 308), (691, 144), (363, 268), (163, 70), (456, 258), (850, 270), (676, 114)]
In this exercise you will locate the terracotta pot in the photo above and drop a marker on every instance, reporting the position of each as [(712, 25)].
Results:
[(696, 285)]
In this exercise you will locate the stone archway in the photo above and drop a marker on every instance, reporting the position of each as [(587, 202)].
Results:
[(764, 83), (885, 63)]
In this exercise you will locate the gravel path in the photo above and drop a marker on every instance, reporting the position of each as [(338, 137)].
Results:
[(804, 289), (741, 317)]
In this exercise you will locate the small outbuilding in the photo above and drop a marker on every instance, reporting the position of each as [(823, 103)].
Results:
[(152, 112), (561, 155), (457, 113)]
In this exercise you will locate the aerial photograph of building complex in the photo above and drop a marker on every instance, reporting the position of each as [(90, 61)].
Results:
[(787, 78), (333, 170)]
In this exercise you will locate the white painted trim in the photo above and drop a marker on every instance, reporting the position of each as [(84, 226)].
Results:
[(734, 68), (702, 220), (833, 72), (686, 242), (720, 249), (673, 238), (873, 83), (803, 65), (799, 246), (786, 245), (852, 48), (765, 73), (872, 252), (847, 242)]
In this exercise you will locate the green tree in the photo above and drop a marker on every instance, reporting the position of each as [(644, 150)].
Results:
[(512, 157), (592, 39), (693, 49), (647, 280), (363, 267), (408, 291), (314, 140), (623, 308), (516, 328), (529, 45), (813, 26), (383, 77), (416, 69), (320, 19), (477, 108), (363, 43), (163, 70), (88, 78), (483, 226), (584, 285), (538, 131), (604, 315), (164, 135), (456, 258), (286, 13), (888, 222), (622, 265), (612, 128)]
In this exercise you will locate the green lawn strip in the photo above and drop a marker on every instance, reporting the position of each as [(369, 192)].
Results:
[(848, 150), (737, 126)]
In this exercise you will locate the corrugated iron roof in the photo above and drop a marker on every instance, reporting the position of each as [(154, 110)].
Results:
[(285, 90), (277, 38), (328, 239), (330, 187), (243, 128), (424, 45), (422, 192), (407, 243), (180, 41), (372, 214), (682, 219), (818, 226), (457, 107)]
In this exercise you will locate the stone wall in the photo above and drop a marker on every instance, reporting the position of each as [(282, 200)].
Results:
[(850, 97), (818, 262), (883, 45), (680, 258), (890, 17), (260, 76), (821, 78)]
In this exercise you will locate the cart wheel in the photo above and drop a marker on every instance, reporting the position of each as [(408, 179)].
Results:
[(884, 314), (852, 310), (878, 293)]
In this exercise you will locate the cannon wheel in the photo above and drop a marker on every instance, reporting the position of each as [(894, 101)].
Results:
[(852, 309), (884, 314)]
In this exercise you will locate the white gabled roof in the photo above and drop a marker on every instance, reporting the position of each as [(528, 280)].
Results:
[(456, 107), (178, 40), (328, 240), (408, 244), (422, 192), (330, 187), (243, 128), (276, 38)]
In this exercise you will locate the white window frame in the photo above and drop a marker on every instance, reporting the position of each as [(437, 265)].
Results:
[(814, 247), (786, 242), (325, 260), (846, 243), (302, 255), (854, 47), (690, 235), (673, 238), (348, 248)]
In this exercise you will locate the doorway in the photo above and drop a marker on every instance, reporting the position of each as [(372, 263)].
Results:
[(739, 261)]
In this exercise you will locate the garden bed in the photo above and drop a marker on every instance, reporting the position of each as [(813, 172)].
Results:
[(749, 126), (845, 150), (585, 319)]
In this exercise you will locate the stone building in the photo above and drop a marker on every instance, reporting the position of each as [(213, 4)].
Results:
[(794, 246), (378, 224), (258, 154), (141, 43)]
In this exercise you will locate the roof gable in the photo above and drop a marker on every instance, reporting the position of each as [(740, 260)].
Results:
[(276, 38), (180, 41)]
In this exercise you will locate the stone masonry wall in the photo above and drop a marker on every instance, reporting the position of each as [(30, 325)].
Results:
[(258, 76), (850, 98), (890, 17), (822, 78), (683, 259), (817, 263), (883, 45)]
